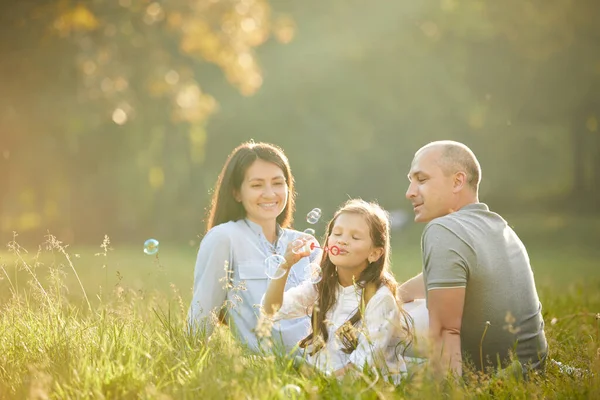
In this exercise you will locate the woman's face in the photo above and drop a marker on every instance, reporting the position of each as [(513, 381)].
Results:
[(264, 192)]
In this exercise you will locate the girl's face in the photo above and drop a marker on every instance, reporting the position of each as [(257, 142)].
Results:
[(351, 233), (264, 192)]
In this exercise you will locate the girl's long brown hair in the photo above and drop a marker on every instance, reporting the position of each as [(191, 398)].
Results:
[(224, 207), (376, 274)]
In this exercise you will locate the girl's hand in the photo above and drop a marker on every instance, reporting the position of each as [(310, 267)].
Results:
[(297, 250)]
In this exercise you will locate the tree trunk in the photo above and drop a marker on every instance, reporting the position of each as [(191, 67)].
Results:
[(586, 153), (579, 156), (596, 174)]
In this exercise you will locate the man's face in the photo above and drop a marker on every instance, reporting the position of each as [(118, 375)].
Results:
[(430, 191)]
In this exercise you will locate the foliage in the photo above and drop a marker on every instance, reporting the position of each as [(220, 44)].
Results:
[(118, 115), (133, 344)]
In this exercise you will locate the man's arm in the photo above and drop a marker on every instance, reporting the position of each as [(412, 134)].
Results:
[(412, 289), (446, 261), (445, 320)]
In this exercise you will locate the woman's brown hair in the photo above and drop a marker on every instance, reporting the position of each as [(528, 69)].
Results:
[(224, 207)]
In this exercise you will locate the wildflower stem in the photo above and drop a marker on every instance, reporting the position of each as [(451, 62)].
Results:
[(56, 244), (16, 250), (487, 324), (598, 329), (77, 276), (9, 281)]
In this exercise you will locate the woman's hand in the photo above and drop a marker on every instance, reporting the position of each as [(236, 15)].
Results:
[(296, 250)]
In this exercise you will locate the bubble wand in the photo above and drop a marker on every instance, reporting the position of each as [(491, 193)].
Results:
[(334, 250)]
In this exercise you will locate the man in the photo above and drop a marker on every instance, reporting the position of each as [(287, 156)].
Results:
[(481, 296)]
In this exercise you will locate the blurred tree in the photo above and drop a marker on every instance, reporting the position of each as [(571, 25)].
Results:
[(119, 108), (116, 116), (560, 43)]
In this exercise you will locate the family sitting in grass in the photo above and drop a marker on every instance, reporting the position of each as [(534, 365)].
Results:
[(474, 306)]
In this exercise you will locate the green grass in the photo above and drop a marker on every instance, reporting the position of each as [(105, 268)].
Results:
[(122, 336)]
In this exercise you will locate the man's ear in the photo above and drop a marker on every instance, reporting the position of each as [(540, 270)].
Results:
[(375, 254), (460, 181)]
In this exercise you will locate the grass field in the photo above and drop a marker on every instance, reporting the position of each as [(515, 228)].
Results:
[(109, 322)]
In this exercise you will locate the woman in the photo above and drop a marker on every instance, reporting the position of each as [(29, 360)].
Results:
[(250, 215)]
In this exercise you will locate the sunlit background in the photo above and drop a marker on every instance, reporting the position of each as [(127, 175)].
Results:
[(116, 116)]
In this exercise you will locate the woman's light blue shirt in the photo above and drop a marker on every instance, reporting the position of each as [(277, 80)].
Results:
[(241, 247)]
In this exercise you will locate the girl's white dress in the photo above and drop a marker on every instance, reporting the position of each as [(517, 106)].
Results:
[(380, 334)]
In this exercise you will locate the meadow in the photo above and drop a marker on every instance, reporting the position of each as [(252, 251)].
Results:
[(108, 321)]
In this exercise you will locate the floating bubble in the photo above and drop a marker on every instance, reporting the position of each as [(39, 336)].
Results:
[(290, 391), (302, 245), (273, 267), (298, 246), (313, 216), (151, 246), (313, 273), (310, 231)]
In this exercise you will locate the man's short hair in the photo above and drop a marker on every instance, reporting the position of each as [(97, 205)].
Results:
[(455, 157)]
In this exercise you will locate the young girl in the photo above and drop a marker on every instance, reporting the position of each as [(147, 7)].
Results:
[(356, 318), (249, 217)]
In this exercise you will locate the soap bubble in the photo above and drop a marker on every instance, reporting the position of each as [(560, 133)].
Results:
[(310, 231), (273, 267), (299, 246), (306, 244), (313, 216), (151, 246), (313, 273), (290, 391)]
